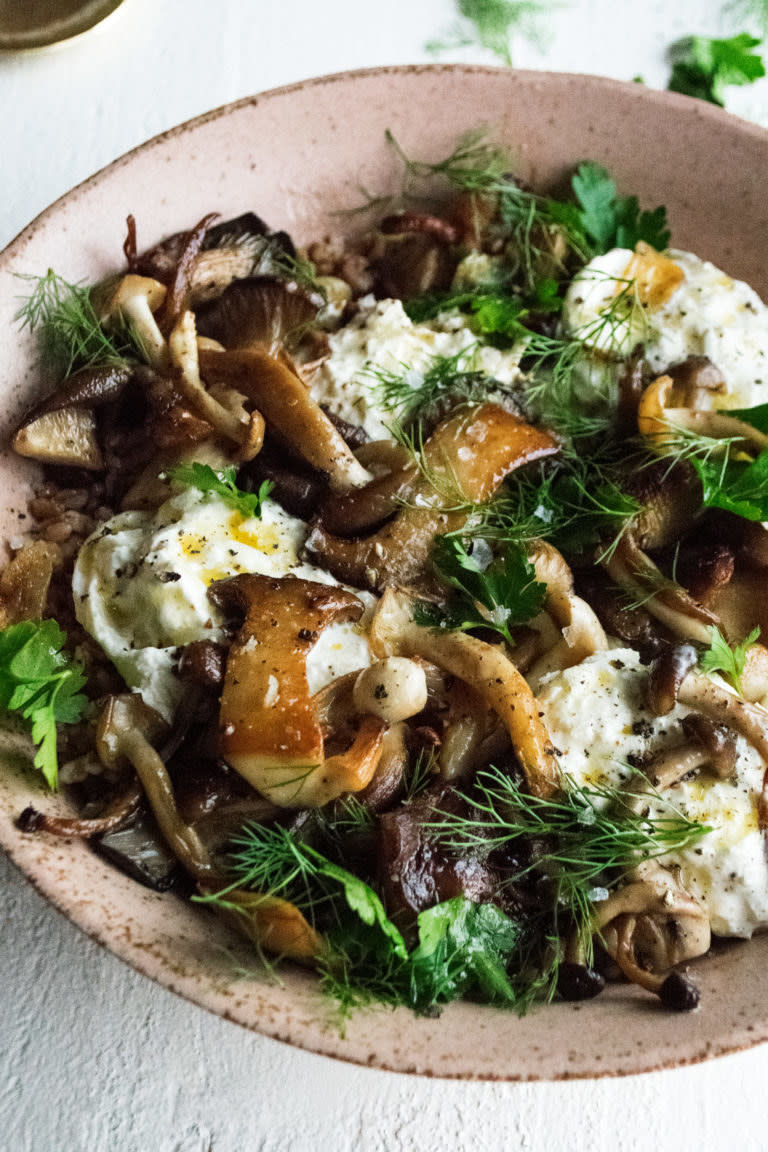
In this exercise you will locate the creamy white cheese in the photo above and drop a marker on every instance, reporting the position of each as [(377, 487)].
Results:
[(382, 337), (141, 580), (597, 719), (708, 314)]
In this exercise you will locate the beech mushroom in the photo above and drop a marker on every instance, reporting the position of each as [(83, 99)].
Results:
[(468, 455), (581, 633), (126, 731), (288, 407), (633, 570), (270, 730), (650, 925), (231, 420), (393, 689), (488, 672), (133, 301)]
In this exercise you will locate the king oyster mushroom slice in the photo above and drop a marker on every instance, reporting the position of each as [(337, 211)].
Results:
[(270, 731)]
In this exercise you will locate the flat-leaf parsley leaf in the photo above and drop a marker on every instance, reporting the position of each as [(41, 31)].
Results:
[(223, 483), (40, 683)]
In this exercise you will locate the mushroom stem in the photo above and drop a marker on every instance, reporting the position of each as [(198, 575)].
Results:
[(492, 675)]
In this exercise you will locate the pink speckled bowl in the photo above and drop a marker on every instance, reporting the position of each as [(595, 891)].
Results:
[(296, 156)]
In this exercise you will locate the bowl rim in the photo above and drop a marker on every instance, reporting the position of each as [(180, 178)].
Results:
[(47, 888)]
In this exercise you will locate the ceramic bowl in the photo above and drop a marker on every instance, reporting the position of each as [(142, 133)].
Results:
[(297, 156)]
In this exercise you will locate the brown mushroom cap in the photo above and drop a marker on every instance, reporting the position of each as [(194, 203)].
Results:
[(470, 453)]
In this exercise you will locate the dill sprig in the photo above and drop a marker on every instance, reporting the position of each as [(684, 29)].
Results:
[(420, 396), (69, 330), (588, 837)]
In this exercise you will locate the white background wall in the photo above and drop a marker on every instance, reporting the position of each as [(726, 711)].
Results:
[(94, 1058)]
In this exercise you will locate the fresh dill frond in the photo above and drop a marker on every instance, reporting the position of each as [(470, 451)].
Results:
[(576, 501), (476, 164), (269, 861), (419, 773), (413, 396), (727, 659), (493, 25), (70, 334), (588, 837)]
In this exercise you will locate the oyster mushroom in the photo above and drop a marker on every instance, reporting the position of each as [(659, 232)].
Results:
[(489, 673), (270, 731), (465, 459), (229, 419), (285, 403)]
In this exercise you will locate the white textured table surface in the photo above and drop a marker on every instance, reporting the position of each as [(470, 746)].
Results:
[(94, 1058)]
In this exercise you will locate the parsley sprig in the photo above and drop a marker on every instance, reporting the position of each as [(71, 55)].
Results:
[(496, 595), (40, 683), (224, 484), (704, 67), (613, 221), (729, 660)]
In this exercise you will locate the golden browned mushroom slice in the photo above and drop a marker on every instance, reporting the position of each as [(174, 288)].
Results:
[(132, 302), (126, 731), (270, 731), (287, 406), (24, 582), (229, 419), (655, 276), (661, 418), (274, 924), (492, 676), (465, 460), (61, 428), (66, 437)]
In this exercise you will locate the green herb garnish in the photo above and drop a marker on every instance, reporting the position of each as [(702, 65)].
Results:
[(492, 25), (462, 945), (704, 67), (224, 484), (498, 595), (588, 838), (40, 683), (71, 335), (730, 661), (613, 221)]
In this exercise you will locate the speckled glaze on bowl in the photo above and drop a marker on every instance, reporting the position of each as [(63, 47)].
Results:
[(296, 156)]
